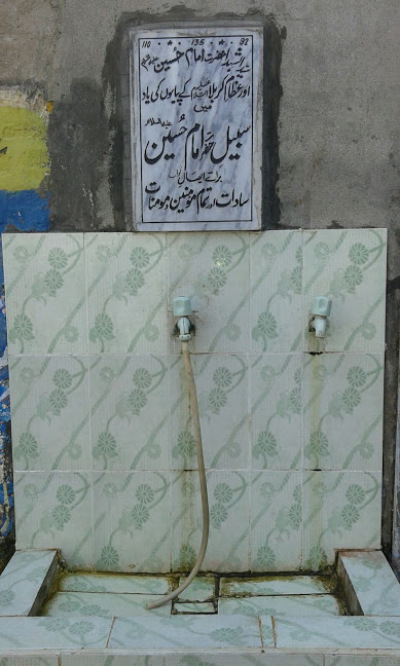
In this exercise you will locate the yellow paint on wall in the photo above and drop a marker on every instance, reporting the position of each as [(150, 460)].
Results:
[(24, 159)]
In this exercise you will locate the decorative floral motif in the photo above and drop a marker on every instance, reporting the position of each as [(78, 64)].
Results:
[(222, 256), (22, 327), (103, 327), (218, 515), (222, 377), (109, 557), (355, 494), (58, 259), (266, 557), (53, 281), (350, 515), (186, 444), (351, 398), (142, 378), (363, 623), (356, 376), (187, 556), (58, 400), (134, 280), (317, 559), (358, 254), (137, 400), (106, 445), (107, 374), (217, 399), (6, 597), (216, 279), (61, 516), (352, 277), (65, 494), (266, 444), (140, 515), (62, 379), (322, 252), (140, 258), (29, 445), (223, 493), (145, 494), (267, 325), (318, 445), (390, 628)]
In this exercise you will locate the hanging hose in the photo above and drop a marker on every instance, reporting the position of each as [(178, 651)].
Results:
[(202, 479)]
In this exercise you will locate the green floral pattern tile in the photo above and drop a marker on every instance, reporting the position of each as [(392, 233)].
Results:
[(102, 604), (97, 582), (130, 413), (276, 521), (349, 267), (341, 510), (222, 394), (343, 411), (46, 633), (126, 288), (45, 276), (330, 632), (54, 510), (228, 494), (276, 410), (311, 605), (132, 521), (50, 410), (22, 580), (373, 581), (213, 269), (231, 633), (276, 291)]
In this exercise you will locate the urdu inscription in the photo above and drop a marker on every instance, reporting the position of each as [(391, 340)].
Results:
[(196, 128)]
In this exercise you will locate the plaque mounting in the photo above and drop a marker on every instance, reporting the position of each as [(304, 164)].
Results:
[(196, 117)]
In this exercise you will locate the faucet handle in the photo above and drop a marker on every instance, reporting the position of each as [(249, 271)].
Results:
[(321, 306)]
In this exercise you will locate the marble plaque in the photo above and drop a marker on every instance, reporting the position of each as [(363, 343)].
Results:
[(196, 117)]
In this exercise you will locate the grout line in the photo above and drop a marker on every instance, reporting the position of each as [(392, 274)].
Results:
[(109, 633)]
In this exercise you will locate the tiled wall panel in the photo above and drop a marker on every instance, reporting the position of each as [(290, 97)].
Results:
[(104, 453)]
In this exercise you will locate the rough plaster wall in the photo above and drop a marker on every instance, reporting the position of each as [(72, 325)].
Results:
[(338, 127)]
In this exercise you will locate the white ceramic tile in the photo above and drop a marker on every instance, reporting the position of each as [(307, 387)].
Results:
[(193, 608), (22, 580), (307, 604), (213, 270), (202, 658), (48, 660), (102, 604), (55, 511), (222, 394), (276, 518), (349, 266), (177, 632), (341, 510), (276, 291), (202, 588), (46, 304), (130, 413), (47, 633), (50, 413), (228, 546), (139, 584), (276, 406), (360, 660), (343, 408), (330, 632), (273, 585), (374, 582), (127, 298), (132, 521)]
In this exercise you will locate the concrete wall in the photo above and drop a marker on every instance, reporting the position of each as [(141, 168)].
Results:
[(334, 155)]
